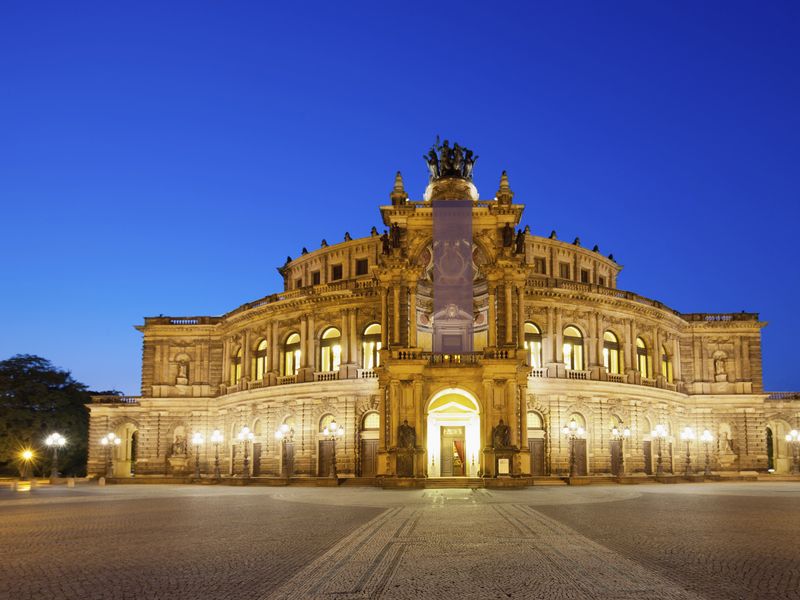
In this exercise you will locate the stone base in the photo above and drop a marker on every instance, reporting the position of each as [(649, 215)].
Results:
[(402, 483), (506, 483), (667, 478)]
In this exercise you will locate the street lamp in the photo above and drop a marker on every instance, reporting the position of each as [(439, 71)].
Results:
[(216, 439), (660, 433), (197, 441), (793, 438), (331, 432), (687, 435), (27, 457), (55, 441), (573, 432), (620, 435), (108, 441), (707, 438), (284, 434), (245, 436)]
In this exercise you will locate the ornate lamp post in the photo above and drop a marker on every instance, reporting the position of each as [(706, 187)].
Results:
[(660, 434), (707, 438), (197, 441), (284, 435), (620, 435), (216, 439), (55, 441), (687, 435), (331, 432), (108, 441), (793, 438), (245, 436), (573, 432)]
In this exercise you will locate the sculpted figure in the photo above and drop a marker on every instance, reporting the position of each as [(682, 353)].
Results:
[(508, 235), (433, 163), (445, 162), (719, 366), (501, 435), (179, 446), (183, 370), (406, 436), (458, 158), (520, 242), (395, 233), (469, 163), (385, 243)]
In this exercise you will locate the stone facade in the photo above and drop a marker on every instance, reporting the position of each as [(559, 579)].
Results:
[(349, 338)]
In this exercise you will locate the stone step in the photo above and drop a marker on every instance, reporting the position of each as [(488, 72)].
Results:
[(454, 482)]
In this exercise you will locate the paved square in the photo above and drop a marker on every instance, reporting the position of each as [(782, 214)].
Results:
[(731, 540)]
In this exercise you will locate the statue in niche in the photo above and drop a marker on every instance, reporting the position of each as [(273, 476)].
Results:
[(183, 373), (179, 446), (520, 242), (394, 232), (406, 436), (501, 435), (386, 244), (508, 236), (719, 365)]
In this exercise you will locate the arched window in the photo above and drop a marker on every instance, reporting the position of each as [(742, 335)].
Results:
[(331, 349), (291, 355), (641, 357), (260, 360), (371, 421), (236, 367), (573, 348), (666, 365), (533, 345), (535, 420), (371, 347), (611, 352), (325, 421)]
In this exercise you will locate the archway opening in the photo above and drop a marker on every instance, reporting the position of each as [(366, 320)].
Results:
[(124, 455), (454, 434)]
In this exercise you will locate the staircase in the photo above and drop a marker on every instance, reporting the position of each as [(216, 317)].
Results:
[(454, 482)]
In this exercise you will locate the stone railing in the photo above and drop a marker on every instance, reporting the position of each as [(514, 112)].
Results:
[(182, 320), (326, 375), (784, 396), (616, 377), (256, 384), (285, 379), (454, 360), (648, 382), (539, 372), (740, 316), (367, 374), (582, 375), (114, 399)]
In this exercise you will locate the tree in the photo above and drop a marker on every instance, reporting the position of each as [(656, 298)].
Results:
[(37, 399)]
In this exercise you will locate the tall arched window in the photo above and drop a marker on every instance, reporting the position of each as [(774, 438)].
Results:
[(641, 357), (666, 365), (330, 349), (325, 421), (372, 421), (535, 420), (611, 352), (573, 348), (291, 355), (371, 347), (260, 360), (533, 345), (236, 367)]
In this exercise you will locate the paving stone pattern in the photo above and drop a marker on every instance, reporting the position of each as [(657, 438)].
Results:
[(616, 542)]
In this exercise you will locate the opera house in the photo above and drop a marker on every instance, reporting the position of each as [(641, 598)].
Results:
[(455, 344)]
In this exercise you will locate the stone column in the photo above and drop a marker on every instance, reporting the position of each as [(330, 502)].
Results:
[(412, 316), (396, 315), (521, 316), (344, 342), (509, 313), (676, 359), (548, 350), (492, 317), (384, 316), (559, 336), (737, 352), (246, 356), (353, 337), (656, 354)]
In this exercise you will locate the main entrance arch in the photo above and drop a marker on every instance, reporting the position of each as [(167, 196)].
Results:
[(453, 434)]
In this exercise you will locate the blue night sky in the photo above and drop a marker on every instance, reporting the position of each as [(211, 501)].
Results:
[(165, 159)]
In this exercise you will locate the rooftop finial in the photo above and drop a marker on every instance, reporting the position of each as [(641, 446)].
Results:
[(444, 161), (504, 194), (398, 195)]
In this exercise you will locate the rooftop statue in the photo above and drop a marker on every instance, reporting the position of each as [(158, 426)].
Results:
[(444, 161)]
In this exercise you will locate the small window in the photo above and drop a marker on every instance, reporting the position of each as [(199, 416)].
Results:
[(315, 278), (371, 421), (336, 272), (540, 265), (362, 266), (584, 275), (563, 270), (601, 281), (298, 283)]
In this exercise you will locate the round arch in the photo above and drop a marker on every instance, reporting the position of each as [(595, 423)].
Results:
[(453, 434)]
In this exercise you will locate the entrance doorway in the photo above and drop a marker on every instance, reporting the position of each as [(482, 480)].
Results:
[(453, 435)]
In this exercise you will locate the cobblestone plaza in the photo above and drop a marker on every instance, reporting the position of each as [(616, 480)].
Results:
[(724, 540)]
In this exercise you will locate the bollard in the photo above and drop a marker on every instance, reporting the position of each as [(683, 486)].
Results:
[(101, 482), (71, 482)]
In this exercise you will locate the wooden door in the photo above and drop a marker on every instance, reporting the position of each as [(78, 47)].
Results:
[(369, 457), (233, 458), (288, 459), (580, 457), (647, 448), (536, 446), (256, 459), (325, 458), (668, 459), (616, 457), (452, 462)]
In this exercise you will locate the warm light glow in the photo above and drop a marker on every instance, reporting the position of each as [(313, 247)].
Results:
[(27, 455), (216, 436), (55, 439), (197, 438), (707, 437), (687, 434)]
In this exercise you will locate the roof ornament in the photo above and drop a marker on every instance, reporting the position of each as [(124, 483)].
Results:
[(398, 195), (504, 194), (444, 161)]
